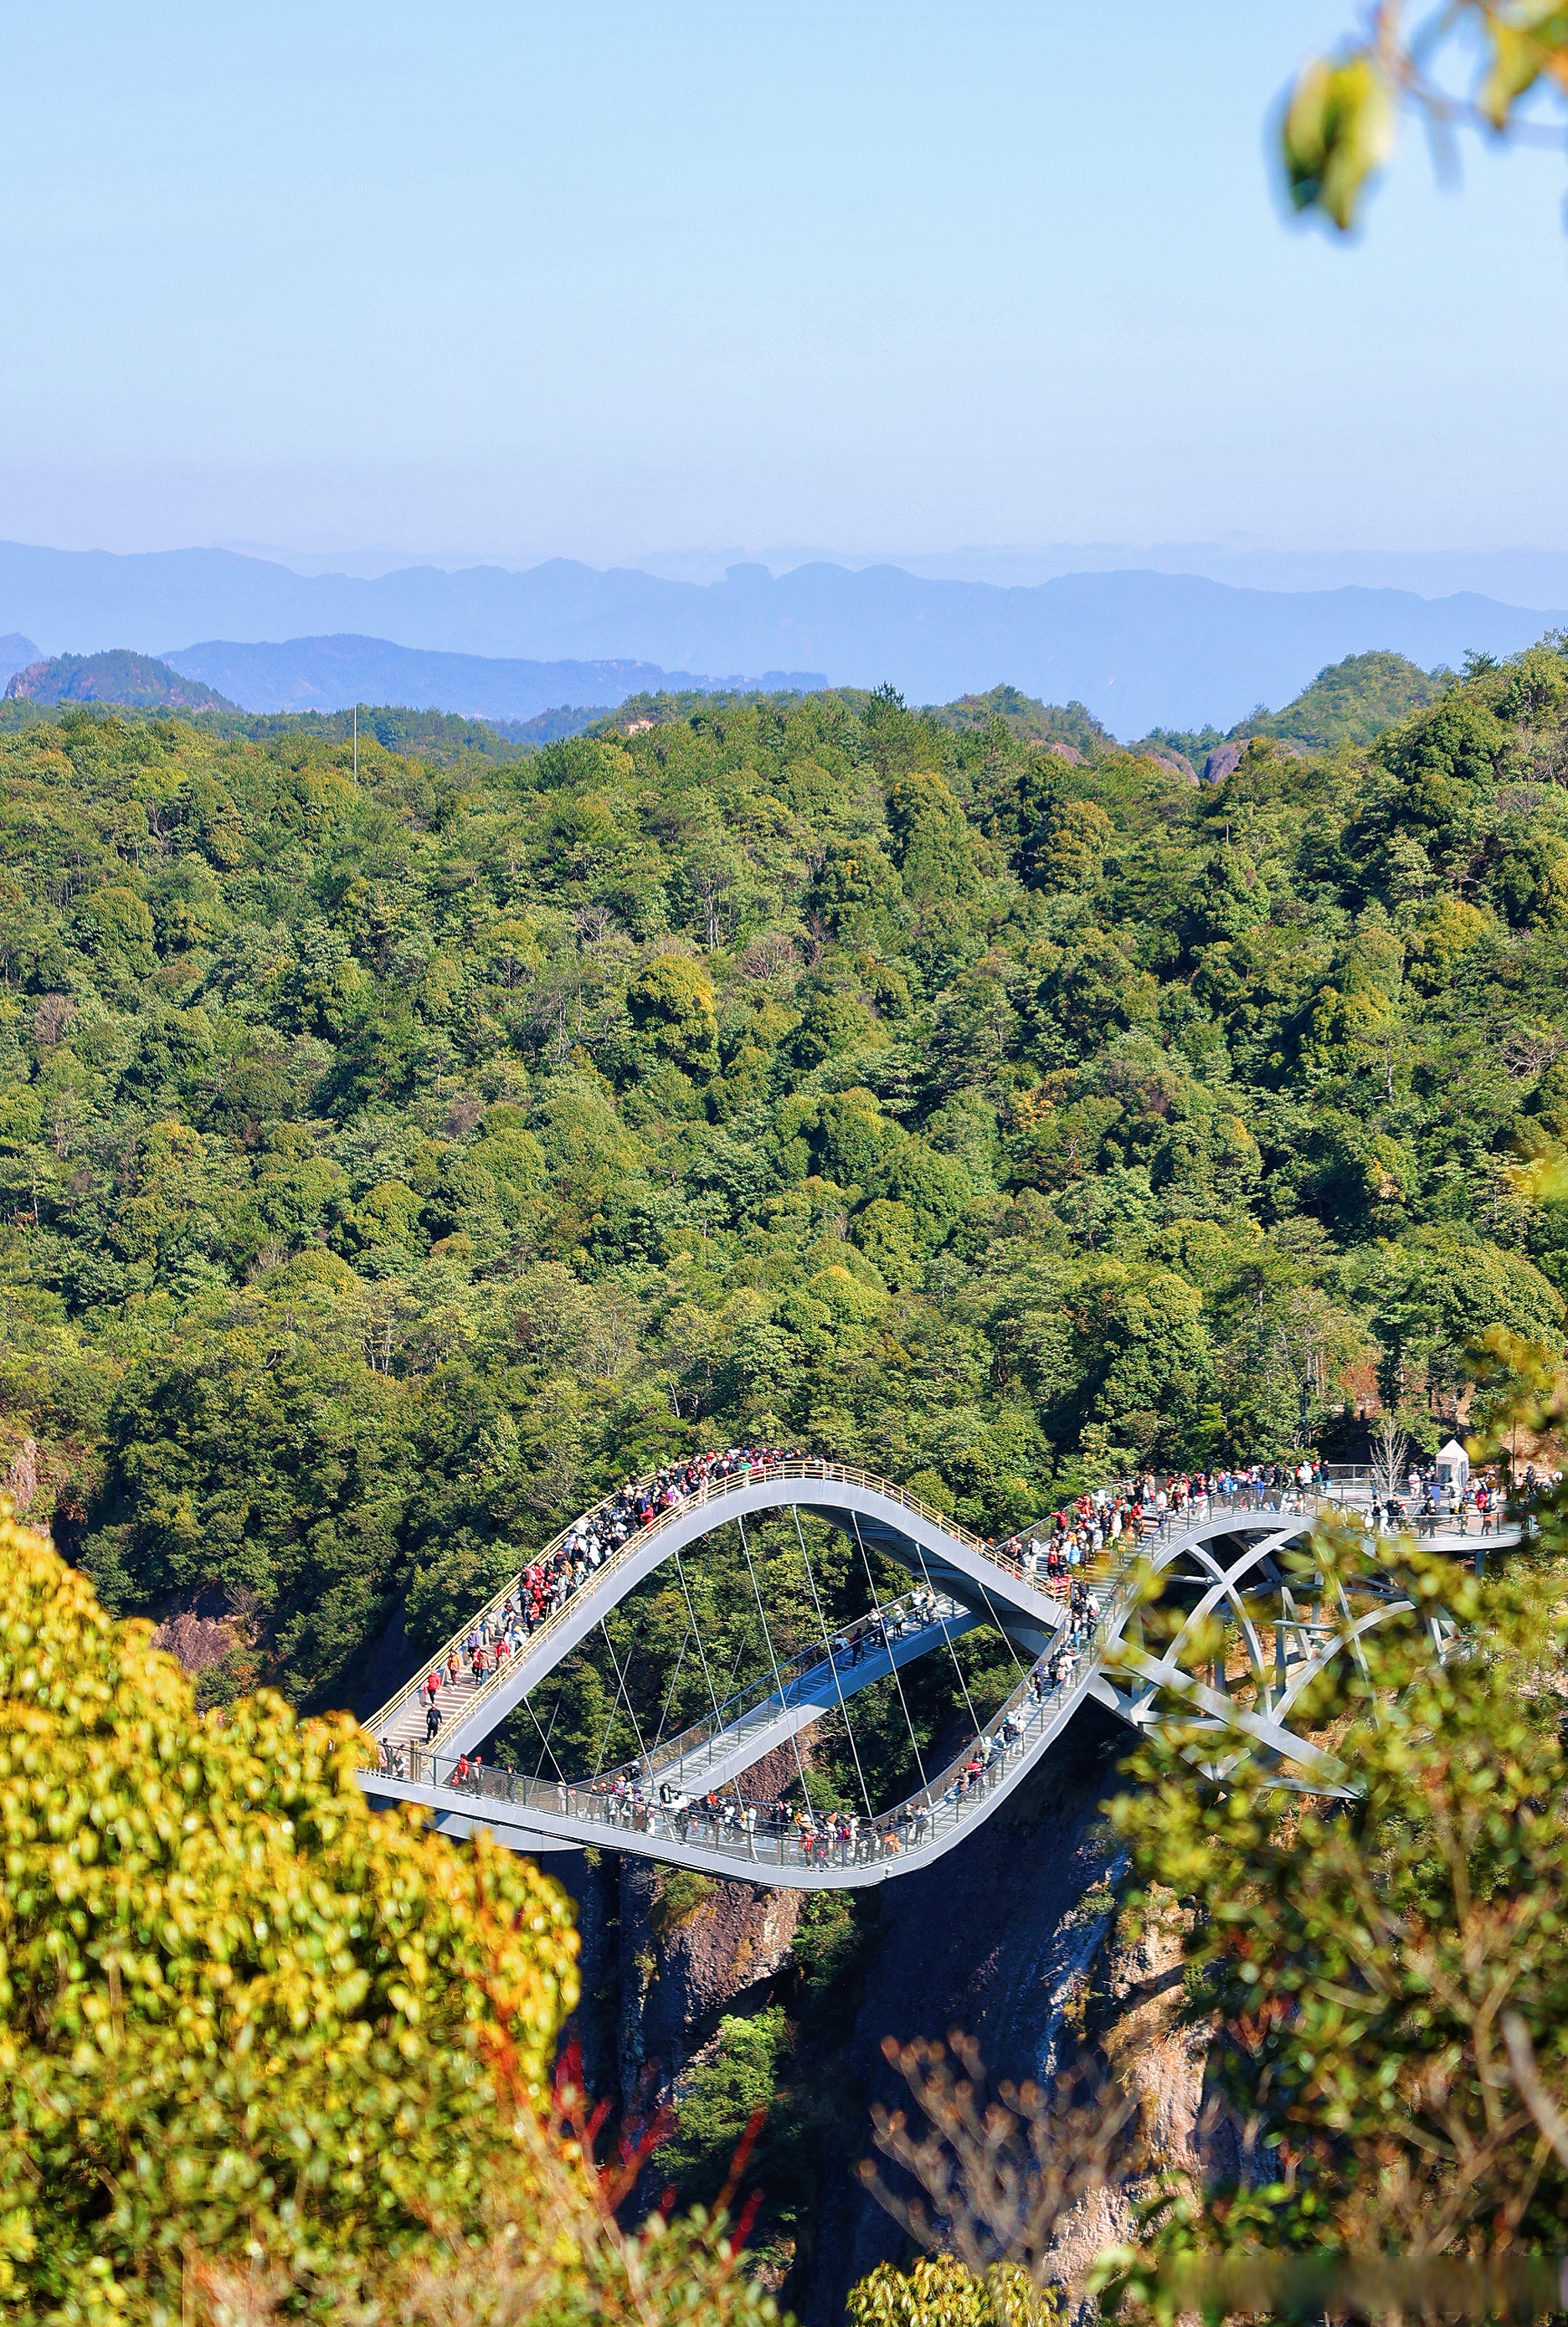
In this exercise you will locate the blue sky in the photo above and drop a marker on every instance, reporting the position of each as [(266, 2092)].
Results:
[(600, 279)]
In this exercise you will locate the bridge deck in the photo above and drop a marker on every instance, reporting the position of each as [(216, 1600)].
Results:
[(1225, 1545)]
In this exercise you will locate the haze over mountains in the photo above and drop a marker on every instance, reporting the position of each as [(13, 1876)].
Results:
[(1517, 578), (330, 674), (1140, 648), (15, 653)]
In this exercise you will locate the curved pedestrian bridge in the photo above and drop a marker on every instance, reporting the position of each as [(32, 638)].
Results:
[(679, 1801)]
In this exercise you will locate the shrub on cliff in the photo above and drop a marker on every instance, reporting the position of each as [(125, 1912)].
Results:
[(1360, 1963), (239, 2013), (939, 2291)]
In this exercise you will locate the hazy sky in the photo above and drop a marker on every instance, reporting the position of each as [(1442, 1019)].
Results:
[(595, 279)]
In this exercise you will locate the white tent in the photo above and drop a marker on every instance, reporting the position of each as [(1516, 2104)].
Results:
[(1453, 1468)]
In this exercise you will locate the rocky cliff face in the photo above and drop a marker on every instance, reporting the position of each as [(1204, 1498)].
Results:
[(663, 1960), (725, 1954), (1016, 1937), (1003, 1938)]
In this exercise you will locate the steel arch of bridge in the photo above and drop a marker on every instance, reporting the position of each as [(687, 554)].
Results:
[(1227, 1562)]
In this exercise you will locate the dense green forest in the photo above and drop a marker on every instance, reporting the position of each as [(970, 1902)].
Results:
[(387, 1169), (1030, 720)]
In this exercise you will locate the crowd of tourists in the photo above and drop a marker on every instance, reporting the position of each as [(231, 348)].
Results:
[(1084, 1536), (1102, 1520), (772, 1828), (1077, 1539), (544, 1588), (918, 1610), (1430, 1502), (777, 1829)]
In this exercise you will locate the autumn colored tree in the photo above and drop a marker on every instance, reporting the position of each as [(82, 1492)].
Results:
[(241, 2010)]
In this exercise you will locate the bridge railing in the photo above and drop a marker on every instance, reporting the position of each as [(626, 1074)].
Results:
[(491, 1613), (735, 1831), (1037, 1702), (711, 1491), (734, 1834), (1290, 1500), (945, 1800), (1155, 1527)]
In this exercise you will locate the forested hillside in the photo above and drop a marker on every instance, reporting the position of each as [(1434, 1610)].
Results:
[(1351, 701), (117, 677), (387, 1169)]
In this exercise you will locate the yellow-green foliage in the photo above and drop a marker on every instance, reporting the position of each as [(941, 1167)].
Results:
[(940, 2291), (239, 2012)]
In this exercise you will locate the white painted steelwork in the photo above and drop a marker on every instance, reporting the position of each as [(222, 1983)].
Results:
[(1229, 1554)]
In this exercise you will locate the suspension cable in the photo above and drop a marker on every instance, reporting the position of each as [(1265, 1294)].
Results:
[(772, 1659), (623, 1678), (669, 1695), (614, 1709), (729, 1691), (702, 1653), (898, 1684), (947, 1636), (545, 1735), (1001, 1627), (832, 1664), (621, 1689)]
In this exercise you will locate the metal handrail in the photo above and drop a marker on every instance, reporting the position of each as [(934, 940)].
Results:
[(929, 1814), (709, 1491), (926, 1816), (712, 1491)]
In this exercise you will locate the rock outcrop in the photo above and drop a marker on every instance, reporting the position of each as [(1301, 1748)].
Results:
[(1017, 1937), (665, 1955), (1224, 760)]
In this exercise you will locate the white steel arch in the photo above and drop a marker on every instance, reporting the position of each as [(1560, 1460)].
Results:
[(930, 1549), (1228, 1557)]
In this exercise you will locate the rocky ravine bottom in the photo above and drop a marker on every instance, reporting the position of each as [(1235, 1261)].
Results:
[(1016, 1938)]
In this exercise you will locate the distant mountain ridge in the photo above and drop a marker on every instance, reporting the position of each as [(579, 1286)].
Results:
[(1137, 648), (330, 674)]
